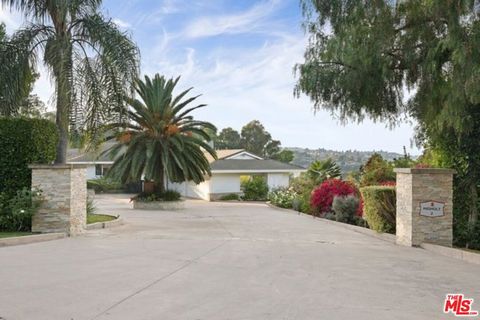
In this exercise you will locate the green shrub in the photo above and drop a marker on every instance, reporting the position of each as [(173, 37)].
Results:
[(330, 216), (283, 197), (168, 195), (24, 142), (379, 207), (345, 208), (255, 188), (376, 171), (91, 208), (230, 196), (302, 186), (16, 212), (104, 185)]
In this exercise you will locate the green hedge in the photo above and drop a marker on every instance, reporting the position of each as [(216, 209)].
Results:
[(255, 188), (23, 142), (379, 207), (104, 185)]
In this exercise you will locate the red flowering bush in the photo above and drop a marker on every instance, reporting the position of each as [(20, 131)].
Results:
[(322, 197)]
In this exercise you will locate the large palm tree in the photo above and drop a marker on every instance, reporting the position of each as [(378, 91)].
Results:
[(92, 63), (162, 141)]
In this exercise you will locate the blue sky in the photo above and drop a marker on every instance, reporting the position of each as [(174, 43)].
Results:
[(240, 56)]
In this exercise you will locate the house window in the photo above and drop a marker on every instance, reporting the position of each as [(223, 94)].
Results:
[(98, 170)]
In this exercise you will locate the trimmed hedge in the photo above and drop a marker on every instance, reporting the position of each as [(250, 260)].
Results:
[(104, 185), (22, 142), (379, 207)]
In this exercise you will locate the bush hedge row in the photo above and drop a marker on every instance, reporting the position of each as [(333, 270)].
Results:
[(23, 142), (379, 207)]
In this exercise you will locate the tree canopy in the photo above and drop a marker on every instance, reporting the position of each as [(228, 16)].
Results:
[(390, 59), (93, 64), (228, 138), (13, 94), (253, 138)]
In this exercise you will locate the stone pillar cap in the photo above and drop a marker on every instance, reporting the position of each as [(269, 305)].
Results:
[(425, 170)]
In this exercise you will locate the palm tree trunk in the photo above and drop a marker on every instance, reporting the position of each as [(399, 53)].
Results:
[(62, 126), (160, 185), (63, 90)]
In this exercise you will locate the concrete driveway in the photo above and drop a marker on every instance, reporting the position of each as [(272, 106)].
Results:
[(226, 261)]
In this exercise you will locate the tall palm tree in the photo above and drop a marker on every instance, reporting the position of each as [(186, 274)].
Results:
[(91, 61), (162, 141)]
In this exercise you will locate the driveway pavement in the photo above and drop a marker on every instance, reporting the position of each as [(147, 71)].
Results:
[(226, 261)]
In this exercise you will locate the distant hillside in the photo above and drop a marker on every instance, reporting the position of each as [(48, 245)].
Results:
[(347, 160)]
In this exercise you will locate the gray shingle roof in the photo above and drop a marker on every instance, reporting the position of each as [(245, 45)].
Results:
[(248, 165), (238, 165), (76, 155)]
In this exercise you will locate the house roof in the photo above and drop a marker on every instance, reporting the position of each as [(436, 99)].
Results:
[(222, 154), (223, 164), (78, 156), (98, 156), (254, 165)]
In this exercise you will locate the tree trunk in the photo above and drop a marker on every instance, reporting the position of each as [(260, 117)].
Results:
[(473, 216), (62, 70), (160, 184), (62, 127)]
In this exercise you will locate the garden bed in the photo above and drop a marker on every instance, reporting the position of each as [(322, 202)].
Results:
[(14, 234), (159, 205), (102, 221), (95, 218), (369, 232)]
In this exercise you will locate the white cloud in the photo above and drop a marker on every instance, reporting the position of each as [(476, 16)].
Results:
[(242, 22), (121, 23), (257, 83), (165, 8)]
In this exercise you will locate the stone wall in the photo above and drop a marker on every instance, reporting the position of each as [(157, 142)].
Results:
[(64, 190), (415, 186)]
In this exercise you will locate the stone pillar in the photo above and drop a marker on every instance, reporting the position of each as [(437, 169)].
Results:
[(424, 206), (64, 192)]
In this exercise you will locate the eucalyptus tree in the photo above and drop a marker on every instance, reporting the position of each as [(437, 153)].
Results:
[(162, 140), (364, 56), (92, 63)]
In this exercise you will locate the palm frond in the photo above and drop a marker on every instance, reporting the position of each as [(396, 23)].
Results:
[(173, 144)]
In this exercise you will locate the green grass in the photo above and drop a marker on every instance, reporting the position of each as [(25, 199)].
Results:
[(93, 218), (14, 234)]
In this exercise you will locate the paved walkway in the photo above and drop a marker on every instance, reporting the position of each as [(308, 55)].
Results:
[(217, 261)]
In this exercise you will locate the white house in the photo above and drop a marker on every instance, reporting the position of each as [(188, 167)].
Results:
[(226, 172)]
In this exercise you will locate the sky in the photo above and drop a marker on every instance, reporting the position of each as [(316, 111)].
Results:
[(240, 56)]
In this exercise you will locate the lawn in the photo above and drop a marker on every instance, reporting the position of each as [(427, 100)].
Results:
[(14, 234), (93, 218)]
